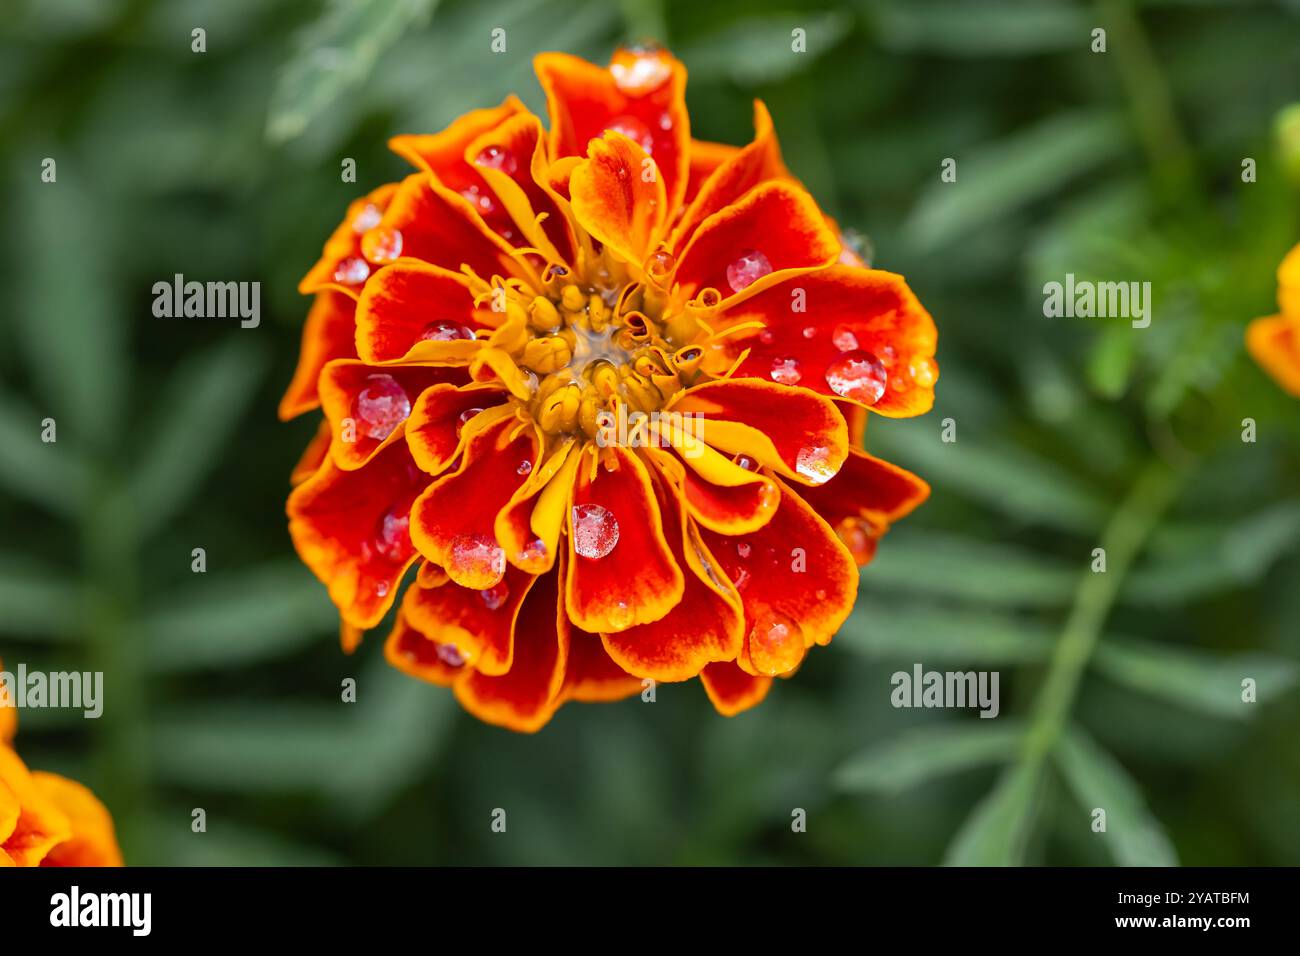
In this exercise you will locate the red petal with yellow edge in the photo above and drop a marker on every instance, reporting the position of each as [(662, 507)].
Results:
[(584, 100), (777, 219), (794, 574), (443, 154), (443, 228), (329, 333), (529, 526), (799, 433), (356, 438), (591, 675), (719, 494), (341, 266), (613, 200), (350, 528), (849, 311), (478, 624), (706, 625), (452, 521), (864, 499), (731, 690), (408, 300), (93, 842), (313, 455), (412, 653), (1274, 343), (705, 158), (525, 698), (621, 571), (31, 824), (757, 163), (436, 429), (506, 157)]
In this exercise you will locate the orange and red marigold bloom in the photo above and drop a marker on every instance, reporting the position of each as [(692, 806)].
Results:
[(477, 328), (45, 819), (1274, 341)]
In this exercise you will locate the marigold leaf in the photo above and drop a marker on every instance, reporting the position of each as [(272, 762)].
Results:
[(1001, 28), (925, 753), (757, 50), (997, 830), (47, 473), (923, 632), (38, 601)]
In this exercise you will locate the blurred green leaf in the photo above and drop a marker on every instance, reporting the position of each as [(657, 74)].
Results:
[(1194, 679), (1133, 835), (231, 621), (758, 50), (923, 632), (997, 830), (226, 842), (38, 601), (336, 53), (988, 28), (921, 755), (204, 400), (48, 473), (1110, 362), (999, 178)]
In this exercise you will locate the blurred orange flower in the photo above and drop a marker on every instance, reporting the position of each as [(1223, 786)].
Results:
[(45, 819), (1275, 341), (606, 385)]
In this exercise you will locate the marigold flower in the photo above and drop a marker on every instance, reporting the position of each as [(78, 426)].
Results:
[(1274, 342), (45, 819), (480, 326)]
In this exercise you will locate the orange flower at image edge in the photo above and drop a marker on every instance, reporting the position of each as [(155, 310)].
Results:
[(606, 386), (45, 819), (1274, 342)]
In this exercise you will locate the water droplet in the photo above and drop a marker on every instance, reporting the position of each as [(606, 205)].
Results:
[(766, 336), (367, 219), (381, 589), (923, 371), (450, 655), (381, 244), (483, 203), (393, 537), (745, 462), (776, 643), (844, 339), (635, 130), (524, 468), (660, 264), (640, 70), (381, 406), (744, 549), (785, 371), (751, 266), (809, 331), (443, 331), (742, 579), (814, 463), (352, 271), (464, 419), (595, 531), (495, 596), (497, 157), (620, 616), (857, 375), (476, 561), (533, 556)]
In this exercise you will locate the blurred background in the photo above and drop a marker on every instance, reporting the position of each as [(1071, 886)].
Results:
[(223, 689)]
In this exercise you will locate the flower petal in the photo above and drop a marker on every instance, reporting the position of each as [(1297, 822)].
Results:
[(329, 333), (798, 433), (443, 154), (312, 455), (705, 158), (526, 697), (818, 317), (719, 494), (409, 299), (342, 254), (444, 229), (635, 580), (731, 690), (31, 824), (864, 499), (1274, 343), (436, 430), (92, 842), (777, 219), (348, 527), (452, 521), (529, 526), (478, 624), (412, 653), (613, 200)]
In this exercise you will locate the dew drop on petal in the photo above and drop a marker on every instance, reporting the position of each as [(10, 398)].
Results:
[(744, 549), (524, 468), (785, 371), (742, 579), (857, 375), (766, 336), (393, 537), (464, 419), (381, 589), (381, 406), (814, 463), (497, 157), (381, 244), (635, 130), (776, 643), (751, 266), (595, 531), (483, 204), (660, 264), (352, 271), (533, 556), (745, 462), (367, 219), (495, 596), (450, 655), (844, 339), (809, 331), (443, 331), (640, 70), (476, 561), (923, 371)]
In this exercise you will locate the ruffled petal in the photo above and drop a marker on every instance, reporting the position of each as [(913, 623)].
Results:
[(526, 697), (412, 653), (409, 300), (529, 526), (731, 690), (342, 266), (31, 824), (477, 625), (794, 431), (439, 420), (618, 196), (443, 228), (621, 571), (1274, 343), (93, 842), (778, 220), (329, 333), (719, 494), (443, 154), (825, 321), (705, 158), (351, 529), (313, 455)]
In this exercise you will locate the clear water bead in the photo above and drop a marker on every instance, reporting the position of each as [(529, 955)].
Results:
[(751, 266), (476, 561), (859, 376), (367, 219), (814, 463), (381, 406), (352, 271), (785, 371), (393, 537), (640, 70), (595, 531), (446, 332), (381, 244), (844, 339), (497, 157), (495, 596)]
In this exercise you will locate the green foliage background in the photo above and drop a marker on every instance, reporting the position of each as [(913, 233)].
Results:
[(1118, 690)]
